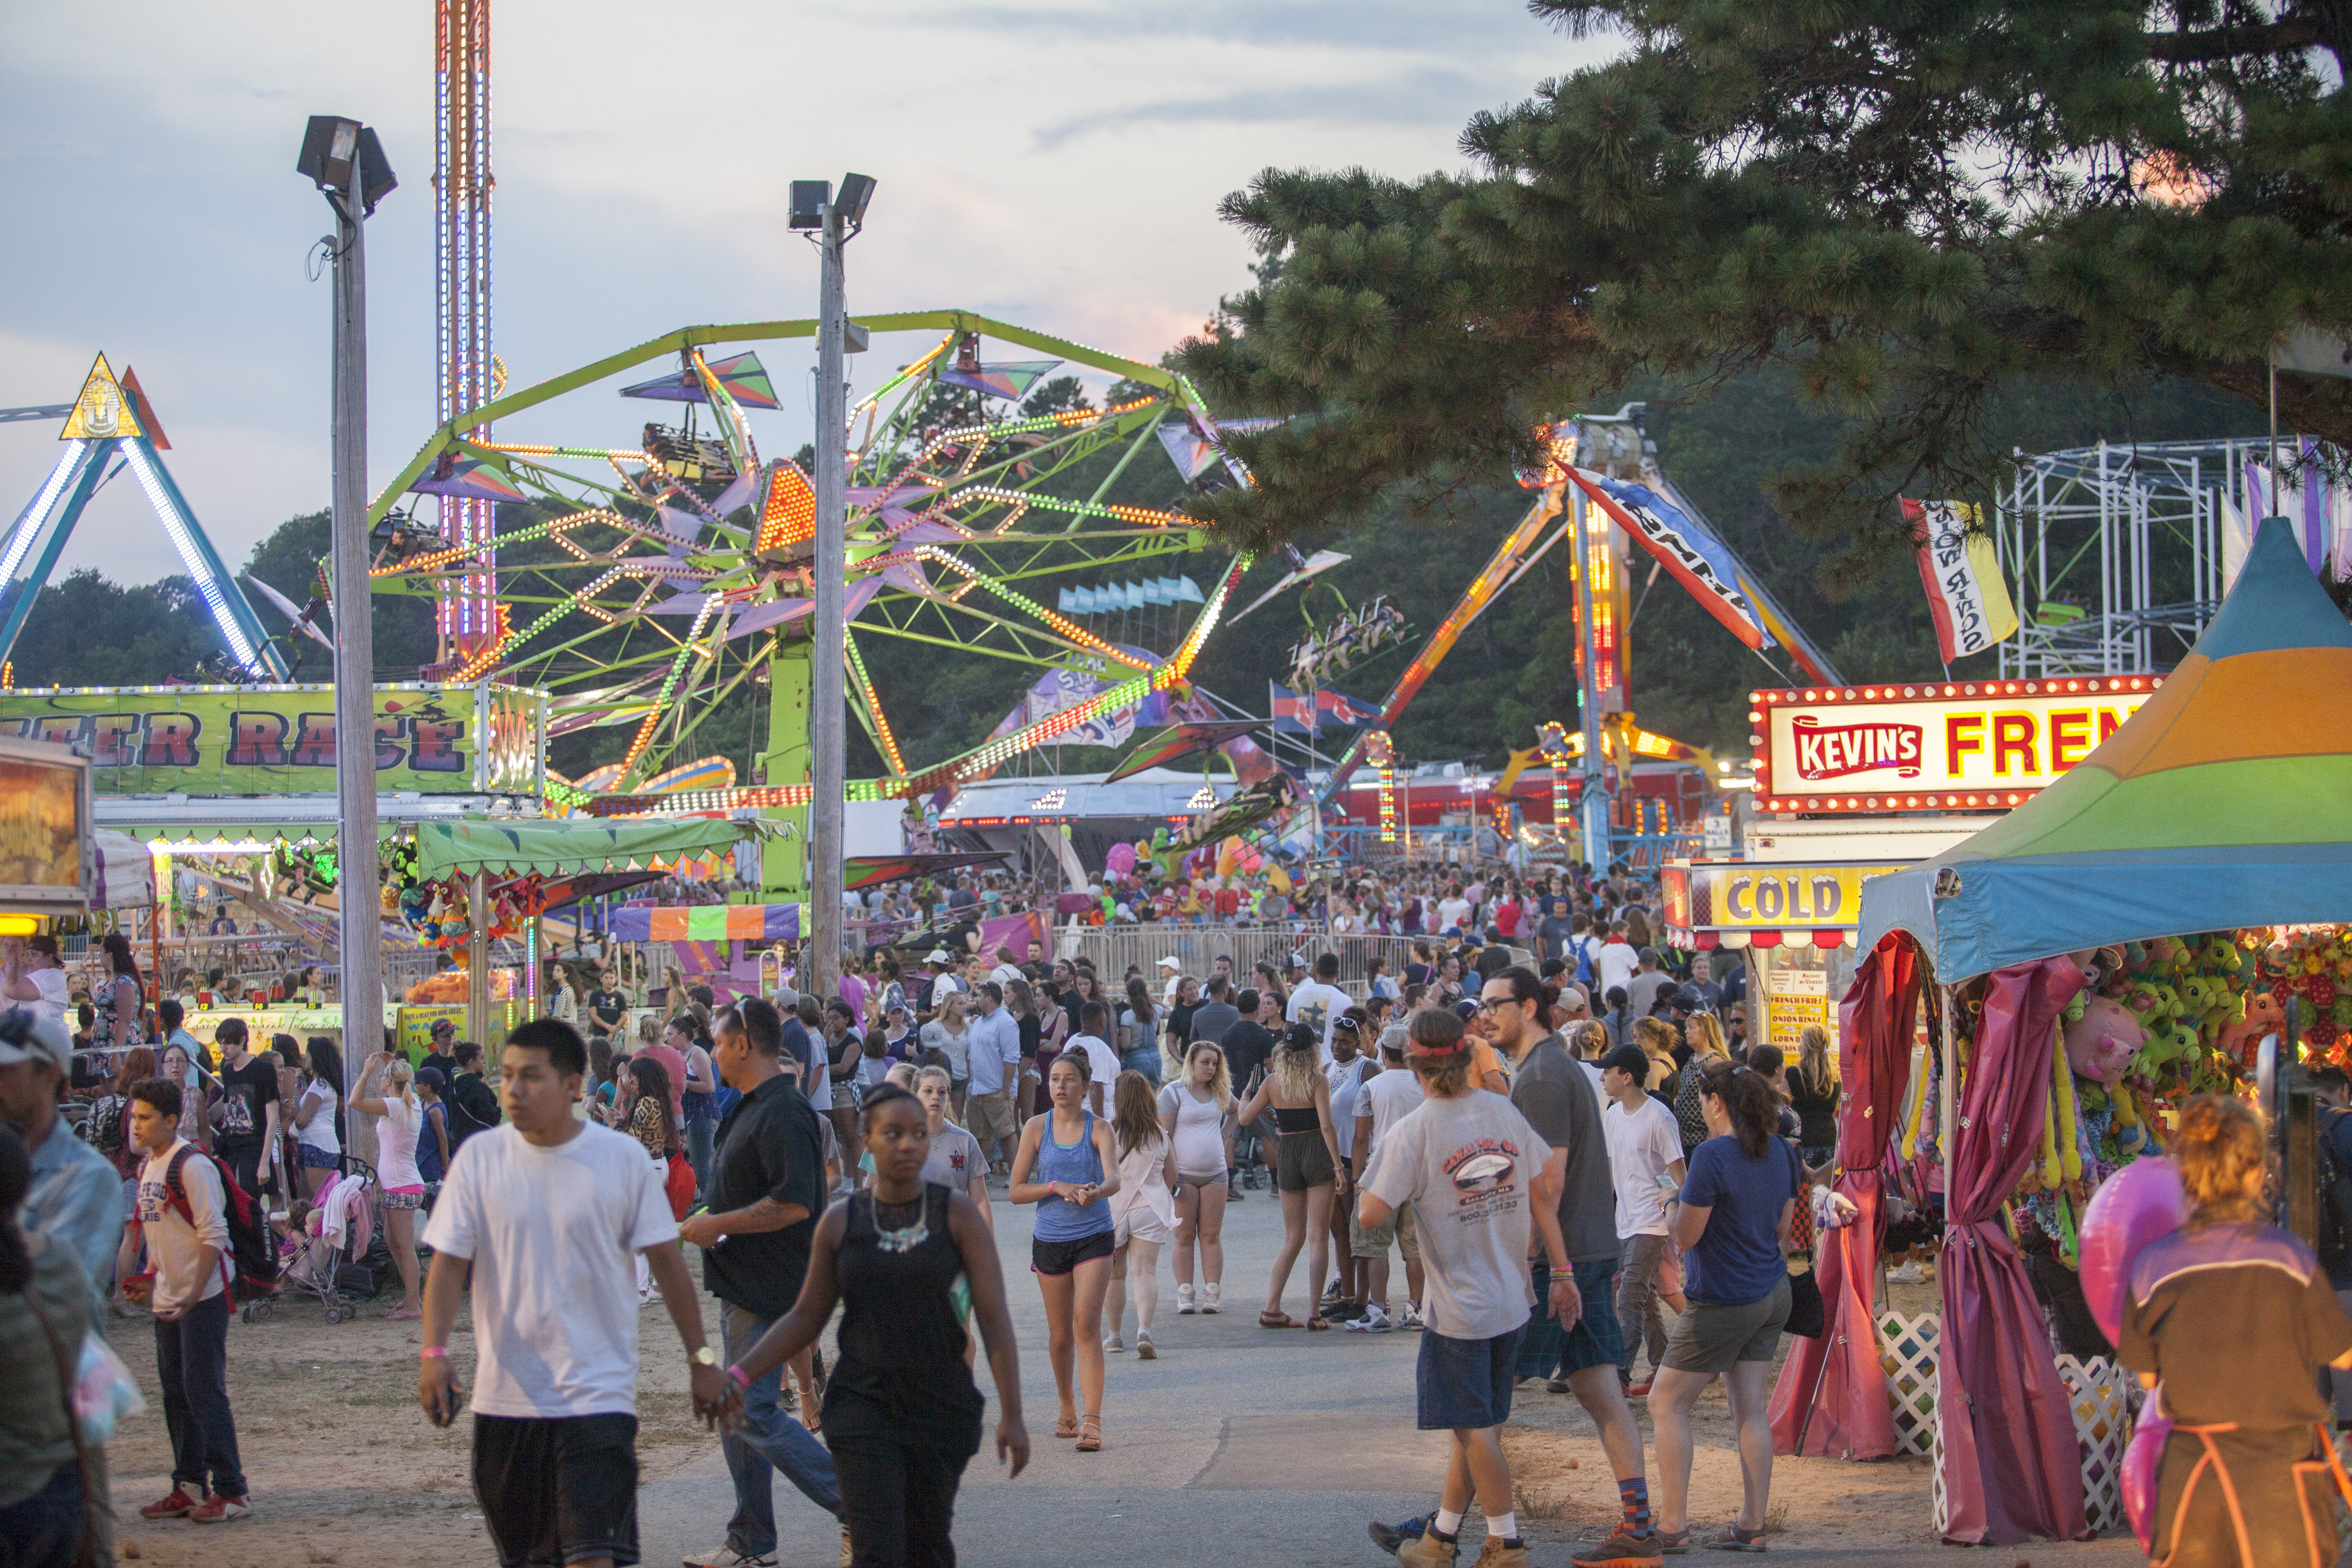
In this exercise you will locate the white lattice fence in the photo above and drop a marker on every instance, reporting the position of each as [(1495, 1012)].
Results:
[(2099, 1393), (1906, 1349)]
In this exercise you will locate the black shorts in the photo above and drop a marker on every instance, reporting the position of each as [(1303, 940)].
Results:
[(560, 1489), (1061, 1256)]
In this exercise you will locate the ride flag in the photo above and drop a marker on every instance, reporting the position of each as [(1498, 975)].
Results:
[(1699, 561), (1963, 573), (1304, 713)]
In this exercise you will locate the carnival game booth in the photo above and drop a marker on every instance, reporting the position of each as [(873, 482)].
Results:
[(2151, 912)]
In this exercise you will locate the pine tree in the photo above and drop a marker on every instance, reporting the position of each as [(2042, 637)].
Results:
[(1917, 206)]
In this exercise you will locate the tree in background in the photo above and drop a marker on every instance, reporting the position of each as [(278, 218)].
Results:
[(1913, 207)]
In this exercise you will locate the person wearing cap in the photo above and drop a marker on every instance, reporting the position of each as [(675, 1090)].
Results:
[(32, 977), (77, 1195), (1472, 1158), (1172, 974), (434, 1150)]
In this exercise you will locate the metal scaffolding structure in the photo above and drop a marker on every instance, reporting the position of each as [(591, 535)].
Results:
[(2116, 554), (469, 375)]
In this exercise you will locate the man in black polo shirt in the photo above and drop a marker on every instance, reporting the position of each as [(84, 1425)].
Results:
[(767, 1190)]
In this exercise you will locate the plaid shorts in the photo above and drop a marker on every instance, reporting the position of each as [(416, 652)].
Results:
[(412, 1199)]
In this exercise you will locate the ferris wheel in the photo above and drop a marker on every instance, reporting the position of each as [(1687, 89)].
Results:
[(657, 578)]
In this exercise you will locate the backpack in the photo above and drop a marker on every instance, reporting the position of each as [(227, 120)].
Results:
[(102, 1129), (2334, 1248), (463, 1120), (1583, 946), (249, 1241)]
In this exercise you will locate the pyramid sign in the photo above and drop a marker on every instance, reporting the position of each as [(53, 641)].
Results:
[(102, 410)]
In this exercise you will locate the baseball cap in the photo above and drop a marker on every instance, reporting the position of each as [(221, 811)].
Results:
[(787, 998), (1171, 962), (1628, 1059), (442, 1026), (433, 1075), (937, 955), (26, 1037)]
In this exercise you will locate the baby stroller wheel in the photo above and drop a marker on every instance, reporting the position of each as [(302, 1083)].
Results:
[(334, 1312)]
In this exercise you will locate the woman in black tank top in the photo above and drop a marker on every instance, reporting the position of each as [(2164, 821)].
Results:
[(901, 1413)]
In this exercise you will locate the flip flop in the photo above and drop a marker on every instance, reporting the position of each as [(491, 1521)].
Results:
[(1065, 1428), (1091, 1443), (1277, 1320)]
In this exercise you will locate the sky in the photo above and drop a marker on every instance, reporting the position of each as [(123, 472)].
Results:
[(1056, 165)]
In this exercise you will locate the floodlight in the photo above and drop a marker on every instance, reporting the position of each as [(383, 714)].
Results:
[(857, 190), (809, 200), (332, 146), (328, 142)]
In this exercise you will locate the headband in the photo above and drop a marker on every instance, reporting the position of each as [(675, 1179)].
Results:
[(1413, 1047)]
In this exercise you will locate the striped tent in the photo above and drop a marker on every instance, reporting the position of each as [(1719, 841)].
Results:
[(2226, 801)]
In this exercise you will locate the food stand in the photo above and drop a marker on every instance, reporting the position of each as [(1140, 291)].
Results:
[(2150, 911)]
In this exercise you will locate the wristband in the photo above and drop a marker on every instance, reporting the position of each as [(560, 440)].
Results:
[(742, 1379), (433, 1352)]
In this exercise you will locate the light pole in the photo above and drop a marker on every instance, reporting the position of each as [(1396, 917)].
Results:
[(344, 160), (834, 218)]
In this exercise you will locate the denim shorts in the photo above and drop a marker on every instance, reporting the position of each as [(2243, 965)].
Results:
[(320, 1159), (1465, 1384), (1596, 1339)]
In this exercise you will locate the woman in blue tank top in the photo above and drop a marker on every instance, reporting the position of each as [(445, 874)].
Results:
[(1066, 1167)]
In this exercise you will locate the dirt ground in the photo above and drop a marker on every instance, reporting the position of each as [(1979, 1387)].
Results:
[(1561, 1478), (330, 1435)]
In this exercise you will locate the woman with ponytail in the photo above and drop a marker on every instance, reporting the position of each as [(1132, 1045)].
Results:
[(1731, 1219), (45, 1307), (2245, 1476), (115, 998)]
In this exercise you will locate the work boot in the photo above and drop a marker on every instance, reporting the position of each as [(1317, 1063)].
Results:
[(1498, 1553), (1429, 1549)]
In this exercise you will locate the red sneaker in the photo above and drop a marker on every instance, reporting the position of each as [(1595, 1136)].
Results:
[(216, 1508), (177, 1505)]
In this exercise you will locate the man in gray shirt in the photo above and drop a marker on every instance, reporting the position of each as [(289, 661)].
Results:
[(1642, 991), (1550, 1091), (1211, 1018)]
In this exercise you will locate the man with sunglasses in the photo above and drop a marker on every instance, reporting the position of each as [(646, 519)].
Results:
[(1550, 1091)]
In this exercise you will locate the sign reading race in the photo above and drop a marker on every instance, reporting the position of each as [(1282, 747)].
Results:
[(1990, 744), (281, 740)]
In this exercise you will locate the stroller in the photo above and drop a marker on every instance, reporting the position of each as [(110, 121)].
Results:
[(332, 1255)]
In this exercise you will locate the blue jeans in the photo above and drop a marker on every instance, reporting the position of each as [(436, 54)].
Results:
[(769, 1439), (1144, 1059), (697, 1150), (192, 1364)]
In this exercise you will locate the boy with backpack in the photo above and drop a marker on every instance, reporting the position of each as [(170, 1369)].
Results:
[(188, 1205)]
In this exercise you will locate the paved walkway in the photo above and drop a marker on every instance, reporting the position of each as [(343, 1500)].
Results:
[(1238, 1447)]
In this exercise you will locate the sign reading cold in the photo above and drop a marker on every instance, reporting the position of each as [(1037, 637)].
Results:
[(1980, 745)]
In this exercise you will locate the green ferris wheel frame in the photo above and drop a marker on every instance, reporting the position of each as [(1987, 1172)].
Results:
[(991, 485)]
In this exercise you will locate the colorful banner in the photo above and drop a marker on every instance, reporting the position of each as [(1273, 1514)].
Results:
[(708, 923), (281, 740), (1298, 713), (1962, 571), (1978, 744)]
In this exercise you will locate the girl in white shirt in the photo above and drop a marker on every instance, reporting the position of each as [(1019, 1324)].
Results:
[(1193, 1113), (319, 1145), (385, 1093), (1143, 1210)]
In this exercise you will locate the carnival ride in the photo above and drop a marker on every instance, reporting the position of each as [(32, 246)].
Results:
[(110, 421), (690, 553)]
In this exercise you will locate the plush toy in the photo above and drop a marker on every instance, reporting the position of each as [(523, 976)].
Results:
[(2262, 1016), (2101, 1041)]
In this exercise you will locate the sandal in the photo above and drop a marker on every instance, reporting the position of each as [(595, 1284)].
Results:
[(1673, 1542), (1091, 1443), (1065, 1428), (1277, 1320), (1738, 1540), (1317, 1324)]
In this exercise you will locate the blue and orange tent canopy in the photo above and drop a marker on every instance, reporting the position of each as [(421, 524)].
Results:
[(2225, 802)]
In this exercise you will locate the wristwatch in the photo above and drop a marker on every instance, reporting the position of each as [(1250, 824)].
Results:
[(704, 1356)]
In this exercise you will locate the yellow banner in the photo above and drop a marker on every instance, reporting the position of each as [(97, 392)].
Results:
[(1749, 895)]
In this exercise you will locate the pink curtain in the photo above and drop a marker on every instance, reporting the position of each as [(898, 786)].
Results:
[(1832, 1396), (2013, 1468)]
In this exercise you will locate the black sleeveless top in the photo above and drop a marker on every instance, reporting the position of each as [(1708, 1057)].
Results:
[(901, 1344)]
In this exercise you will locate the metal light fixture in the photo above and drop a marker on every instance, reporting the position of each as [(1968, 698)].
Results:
[(809, 200), (330, 144), (857, 190)]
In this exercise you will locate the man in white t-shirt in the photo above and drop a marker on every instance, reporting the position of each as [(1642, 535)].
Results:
[(1317, 1003), (1452, 911), (1102, 1062), (1388, 1095), (32, 978), (551, 1213), (1613, 961), (1644, 1144)]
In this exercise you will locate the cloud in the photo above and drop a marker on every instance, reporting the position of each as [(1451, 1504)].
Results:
[(1056, 163)]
